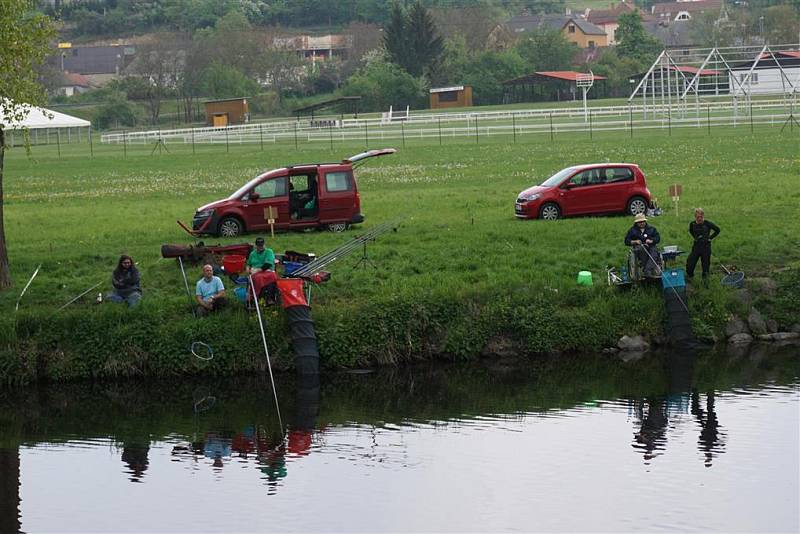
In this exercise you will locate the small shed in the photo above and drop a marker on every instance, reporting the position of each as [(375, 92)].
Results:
[(459, 96), (221, 113)]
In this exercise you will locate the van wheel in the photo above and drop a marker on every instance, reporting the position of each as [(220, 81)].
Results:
[(637, 205), (549, 212), (230, 227), (337, 227)]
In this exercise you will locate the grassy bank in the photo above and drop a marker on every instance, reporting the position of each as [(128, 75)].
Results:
[(460, 277)]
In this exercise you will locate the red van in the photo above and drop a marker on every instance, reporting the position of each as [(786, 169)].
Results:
[(315, 195), (586, 190)]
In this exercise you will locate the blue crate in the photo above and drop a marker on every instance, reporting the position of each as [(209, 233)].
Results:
[(290, 266), (674, 278)]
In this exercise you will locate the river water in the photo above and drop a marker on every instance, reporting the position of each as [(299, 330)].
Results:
[(667, 442)]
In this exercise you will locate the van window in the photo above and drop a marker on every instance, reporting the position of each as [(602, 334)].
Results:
[(272, 188), (338, 181), (619, 174)]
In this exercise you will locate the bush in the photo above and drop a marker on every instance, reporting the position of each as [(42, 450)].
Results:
[(116, 112)]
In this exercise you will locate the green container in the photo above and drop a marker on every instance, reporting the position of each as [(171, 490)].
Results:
[(584, 278)]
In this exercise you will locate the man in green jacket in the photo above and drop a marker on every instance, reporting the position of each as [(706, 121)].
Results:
[(260, 256)]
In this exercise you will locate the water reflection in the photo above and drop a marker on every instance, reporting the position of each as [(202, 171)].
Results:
[(368, 420)]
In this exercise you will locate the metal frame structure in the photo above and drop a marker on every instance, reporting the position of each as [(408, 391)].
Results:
[(679, 78), (585, 82)]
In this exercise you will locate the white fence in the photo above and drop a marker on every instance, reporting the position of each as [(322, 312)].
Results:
[(480, 124)]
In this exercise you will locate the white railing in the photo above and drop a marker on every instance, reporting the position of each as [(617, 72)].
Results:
[(477, 123)]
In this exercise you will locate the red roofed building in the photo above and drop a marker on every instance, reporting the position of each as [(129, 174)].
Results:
[(74, 83), (608, 19)]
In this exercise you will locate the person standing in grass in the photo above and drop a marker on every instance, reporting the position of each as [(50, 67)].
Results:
[(209, 292), (702, 231), (126, 282), (260, 257)]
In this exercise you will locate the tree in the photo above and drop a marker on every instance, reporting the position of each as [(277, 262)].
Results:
[(634, 41), (225, 81), (547, 50), (159, 64), (381, 84), (412, 40), (24, 44)]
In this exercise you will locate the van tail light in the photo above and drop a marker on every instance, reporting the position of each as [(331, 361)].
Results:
[(358, 200)]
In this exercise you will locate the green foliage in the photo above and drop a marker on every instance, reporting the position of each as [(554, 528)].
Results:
[(412, 41), (618, 71), (487, 70), (633, 41), (116, 112), (546, 50), (225, 81), (382, 84)]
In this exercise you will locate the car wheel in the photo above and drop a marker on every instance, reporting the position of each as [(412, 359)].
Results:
[(230, 227), (549, 212), (637, 205), (337, 227)]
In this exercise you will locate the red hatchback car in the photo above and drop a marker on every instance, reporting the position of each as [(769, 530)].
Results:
[(586, 190), (316, 195)]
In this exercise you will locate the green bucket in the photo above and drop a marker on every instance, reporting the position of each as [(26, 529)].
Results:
[(584, 278)]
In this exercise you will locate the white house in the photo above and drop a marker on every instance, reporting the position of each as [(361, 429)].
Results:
[(770, 75)]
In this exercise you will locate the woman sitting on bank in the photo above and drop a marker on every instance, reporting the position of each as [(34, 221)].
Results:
[(126, 280)]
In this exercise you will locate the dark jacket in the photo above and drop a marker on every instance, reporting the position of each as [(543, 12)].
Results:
[(649, 232), (703, 233), (126, 282)]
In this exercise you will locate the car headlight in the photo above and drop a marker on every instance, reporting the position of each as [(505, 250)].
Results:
[(204, 214), (532, 196)]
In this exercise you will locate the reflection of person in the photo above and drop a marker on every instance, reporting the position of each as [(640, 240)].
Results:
[(135, 455), (702, 231), (260, 256), (209, 292), (126, 280), (644, 240), (710, 440), (653, 432)]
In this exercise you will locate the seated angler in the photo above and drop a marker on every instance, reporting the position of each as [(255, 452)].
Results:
[(209, 292), (126, 282), (260, 257), (644, 240)]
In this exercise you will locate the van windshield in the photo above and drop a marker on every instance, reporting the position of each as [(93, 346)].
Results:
[(558, 177), (245, 188)]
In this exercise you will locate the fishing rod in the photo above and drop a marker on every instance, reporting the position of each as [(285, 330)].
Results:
[(266, 350), (344, 250), (16, 308), (186, 284), (79, 296), (661, 273)]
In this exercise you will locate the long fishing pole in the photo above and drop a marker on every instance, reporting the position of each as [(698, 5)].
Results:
[(266, 350), (79, 296), (16, 308), (186, 284), (343, 250)]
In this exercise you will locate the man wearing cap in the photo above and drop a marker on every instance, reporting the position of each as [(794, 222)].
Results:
[(644, 240), (702, 231), (260, 257)]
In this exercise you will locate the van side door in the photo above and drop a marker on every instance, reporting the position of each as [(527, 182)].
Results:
[(272, 192)]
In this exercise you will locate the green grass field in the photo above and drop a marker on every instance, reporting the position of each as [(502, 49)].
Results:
[(458, 246)]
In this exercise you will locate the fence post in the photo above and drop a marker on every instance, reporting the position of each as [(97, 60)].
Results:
[(227, 143), (295, 135), (551, 126), (440, 131), (708, 117), (669, 122), (261, 135), (630, 113), (91, 146), (476, 130), (58, 141), (366, 134), (193, 149), (403, 133), (751, 117), (590, 125), (514, 126), (330, 132), (124, 144)]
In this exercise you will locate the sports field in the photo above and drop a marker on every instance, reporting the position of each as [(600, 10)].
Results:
[(458, 242)]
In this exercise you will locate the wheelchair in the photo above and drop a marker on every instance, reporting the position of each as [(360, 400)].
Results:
[(636, 269)]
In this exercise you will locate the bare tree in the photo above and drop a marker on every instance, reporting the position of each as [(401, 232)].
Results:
[(159, 63)]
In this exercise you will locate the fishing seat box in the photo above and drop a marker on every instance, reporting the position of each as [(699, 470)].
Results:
[(673, 278)]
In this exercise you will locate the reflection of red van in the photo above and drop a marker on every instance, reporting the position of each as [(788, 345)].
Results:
[(301, 196)]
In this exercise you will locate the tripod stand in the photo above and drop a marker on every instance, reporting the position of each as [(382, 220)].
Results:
[(791, 121), (160, 144), (364, 259)]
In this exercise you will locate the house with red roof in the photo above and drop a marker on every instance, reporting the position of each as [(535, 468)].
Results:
[(608, 19)]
